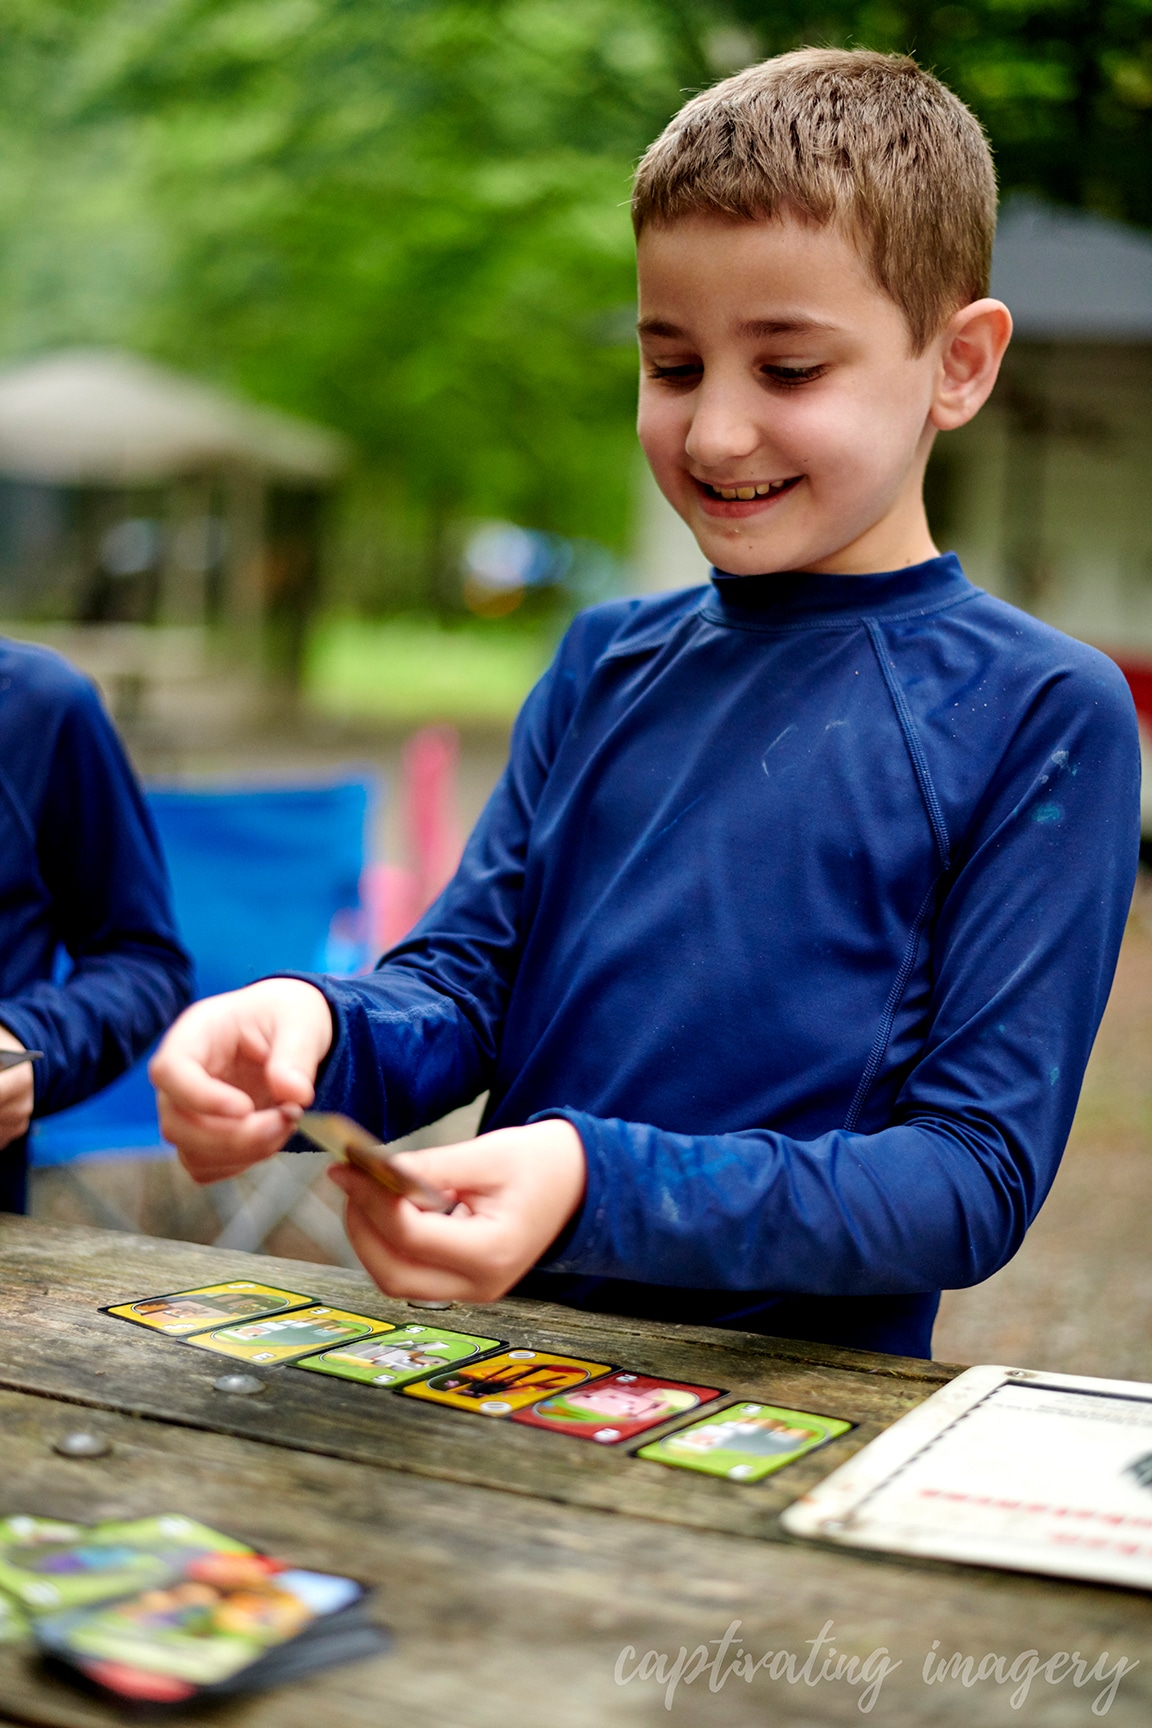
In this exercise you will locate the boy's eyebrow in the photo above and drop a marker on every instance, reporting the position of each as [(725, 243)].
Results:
[(657, 327), (755, 327), (782, 326)]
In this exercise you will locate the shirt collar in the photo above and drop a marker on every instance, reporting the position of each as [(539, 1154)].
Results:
[(793, 597)]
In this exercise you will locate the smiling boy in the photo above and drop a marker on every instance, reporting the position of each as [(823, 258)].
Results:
[(781, 945)]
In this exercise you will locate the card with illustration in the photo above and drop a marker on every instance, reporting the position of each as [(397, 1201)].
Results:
[(405, 1354), (500, 1384), (202, 1630), (47, 1565), (14, 1624), (282, 1338), (617, 1408), (211, 1305), (745, 1441)]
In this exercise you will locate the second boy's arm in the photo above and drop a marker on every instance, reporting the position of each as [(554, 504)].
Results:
[(101, 864)]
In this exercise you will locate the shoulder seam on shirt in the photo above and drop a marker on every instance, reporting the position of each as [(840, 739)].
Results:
[(887, 1019), (655, 636), (912, 741), (24, 821)]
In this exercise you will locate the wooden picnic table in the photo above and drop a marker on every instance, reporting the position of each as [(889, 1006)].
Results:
[(513, 1566)]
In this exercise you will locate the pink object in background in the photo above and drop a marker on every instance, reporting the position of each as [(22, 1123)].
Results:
[(388, 893), (394, 894), (430, 767)]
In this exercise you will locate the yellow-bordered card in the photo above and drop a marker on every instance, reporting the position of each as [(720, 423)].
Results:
[(185, 1311), (281, 1338), (500, 1384)]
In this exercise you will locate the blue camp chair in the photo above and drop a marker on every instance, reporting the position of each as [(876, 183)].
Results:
[(263, 881)]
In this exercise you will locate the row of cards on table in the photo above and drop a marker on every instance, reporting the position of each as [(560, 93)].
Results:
[(259, 1324)]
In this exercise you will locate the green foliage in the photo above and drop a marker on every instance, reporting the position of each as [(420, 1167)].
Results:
[(407, 218), (410, 670), (1063, 87)]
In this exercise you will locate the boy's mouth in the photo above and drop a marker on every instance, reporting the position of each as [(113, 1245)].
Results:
[(742, 498)]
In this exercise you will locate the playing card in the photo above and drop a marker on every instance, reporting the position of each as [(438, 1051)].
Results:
[(14, 1627), (616, 1408), (347, 1140), (201, 1630), (13, 1058), (405, 1354), (47, 1565), (211, 1305), (745, 1441), (280, 1339), (500, 1384)]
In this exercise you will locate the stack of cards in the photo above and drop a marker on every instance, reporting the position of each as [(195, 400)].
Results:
[(165, 1609), (260, 1324)]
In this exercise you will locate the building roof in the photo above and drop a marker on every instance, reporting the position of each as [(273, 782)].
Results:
[(1069, 275), (90, 417)]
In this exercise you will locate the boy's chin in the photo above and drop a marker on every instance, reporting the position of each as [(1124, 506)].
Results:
[(748, 555), (775, 553)]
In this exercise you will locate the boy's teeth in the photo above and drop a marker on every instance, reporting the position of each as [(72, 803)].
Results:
[(745, 492)]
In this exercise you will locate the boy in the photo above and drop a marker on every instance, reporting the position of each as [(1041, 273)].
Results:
[(82, 876), (782, 943)]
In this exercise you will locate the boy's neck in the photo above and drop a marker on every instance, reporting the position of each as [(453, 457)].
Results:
[(899, 539)]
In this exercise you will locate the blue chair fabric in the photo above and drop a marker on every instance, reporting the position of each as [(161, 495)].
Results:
[(263, 880)]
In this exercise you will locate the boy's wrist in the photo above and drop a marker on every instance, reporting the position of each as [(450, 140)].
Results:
[(559, 1245)]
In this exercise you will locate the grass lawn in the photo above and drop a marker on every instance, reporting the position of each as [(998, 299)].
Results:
[(415, 669)]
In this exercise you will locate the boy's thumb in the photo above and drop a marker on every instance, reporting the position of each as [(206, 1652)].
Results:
[(466, 1167), (290, 1070)]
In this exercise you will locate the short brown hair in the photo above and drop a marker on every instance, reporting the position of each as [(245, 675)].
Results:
[(869, 141)]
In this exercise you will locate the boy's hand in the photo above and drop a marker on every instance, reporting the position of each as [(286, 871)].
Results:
[(17, 1093), (516, 1189), (235, 1071)]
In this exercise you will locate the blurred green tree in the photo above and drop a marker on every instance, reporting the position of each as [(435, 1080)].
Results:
[(408, 217), (1063, 87)]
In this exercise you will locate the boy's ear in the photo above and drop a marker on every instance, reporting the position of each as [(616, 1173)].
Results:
[(971, 349)]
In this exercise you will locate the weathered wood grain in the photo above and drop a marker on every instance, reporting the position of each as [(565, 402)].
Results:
[(54, 1340), (511, 1613)]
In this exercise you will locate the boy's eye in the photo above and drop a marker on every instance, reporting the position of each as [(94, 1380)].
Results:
[(683, 374), (790, 376)]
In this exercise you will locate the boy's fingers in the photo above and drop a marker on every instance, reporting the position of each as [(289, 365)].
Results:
[(397, 1275), (466, 1168), (463, 1243), (210, 1143), (288, 1083), (185, 1080), (16, 1083), (296, 1053)]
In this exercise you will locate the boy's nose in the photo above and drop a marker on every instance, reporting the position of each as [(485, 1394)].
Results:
[(723, 431)]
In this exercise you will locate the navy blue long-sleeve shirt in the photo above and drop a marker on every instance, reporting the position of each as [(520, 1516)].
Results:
[(80, 872), (800, 898)]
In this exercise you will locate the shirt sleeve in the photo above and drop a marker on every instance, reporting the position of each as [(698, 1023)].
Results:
[(101, 863), (938, 1196), (420, 1035)]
